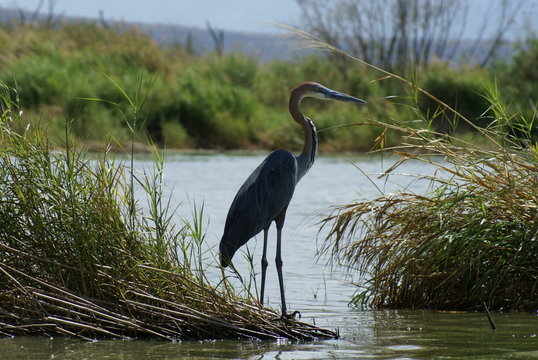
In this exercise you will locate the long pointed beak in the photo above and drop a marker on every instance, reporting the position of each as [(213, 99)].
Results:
[(335, 95)]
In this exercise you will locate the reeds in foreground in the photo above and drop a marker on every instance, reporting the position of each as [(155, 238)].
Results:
[(472, 238), (79, 258)]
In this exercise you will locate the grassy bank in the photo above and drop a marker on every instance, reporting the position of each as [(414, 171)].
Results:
[(224, 102), (80, 257), (471, 239)]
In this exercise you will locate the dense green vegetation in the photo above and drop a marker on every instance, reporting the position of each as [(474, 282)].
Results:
[(220, 102)]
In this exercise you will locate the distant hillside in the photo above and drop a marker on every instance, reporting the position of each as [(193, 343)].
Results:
[(265, 47)]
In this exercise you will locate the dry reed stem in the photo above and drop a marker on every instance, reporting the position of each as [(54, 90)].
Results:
[(48, 308)]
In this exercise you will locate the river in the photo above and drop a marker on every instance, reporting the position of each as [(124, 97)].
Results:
[(319, 292)]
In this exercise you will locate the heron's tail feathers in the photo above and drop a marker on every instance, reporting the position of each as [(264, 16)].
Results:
[(225, 260), (227, 252)]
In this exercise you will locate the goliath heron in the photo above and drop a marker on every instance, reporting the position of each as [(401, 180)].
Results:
[(266, 194)]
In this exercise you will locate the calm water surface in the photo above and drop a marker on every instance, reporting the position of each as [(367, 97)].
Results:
[(320, 293)]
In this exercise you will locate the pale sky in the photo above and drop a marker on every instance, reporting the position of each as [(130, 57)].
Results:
[(241, 15)]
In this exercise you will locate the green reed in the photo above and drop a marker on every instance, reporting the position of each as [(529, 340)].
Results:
[(81, 257)]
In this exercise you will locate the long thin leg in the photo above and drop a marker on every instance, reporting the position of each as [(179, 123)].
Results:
[(278, 260), (264, 263)]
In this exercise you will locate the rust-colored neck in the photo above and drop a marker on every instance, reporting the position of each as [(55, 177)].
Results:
[(307, 157)]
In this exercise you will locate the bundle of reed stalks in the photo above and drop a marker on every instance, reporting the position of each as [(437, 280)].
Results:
[(184, 309)]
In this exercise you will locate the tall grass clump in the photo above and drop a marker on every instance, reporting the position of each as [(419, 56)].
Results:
[(472, 238), (79, 256)]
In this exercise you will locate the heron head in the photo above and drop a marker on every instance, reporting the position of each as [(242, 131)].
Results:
[(318, 91)]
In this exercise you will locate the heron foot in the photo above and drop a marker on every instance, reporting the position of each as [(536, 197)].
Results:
[(293, 315), (289, 318)]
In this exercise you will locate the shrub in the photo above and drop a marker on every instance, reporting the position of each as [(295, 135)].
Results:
[(214, 114), (233, 69), (461, 89)]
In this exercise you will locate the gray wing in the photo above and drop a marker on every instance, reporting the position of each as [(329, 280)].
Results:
[(263, 196)]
